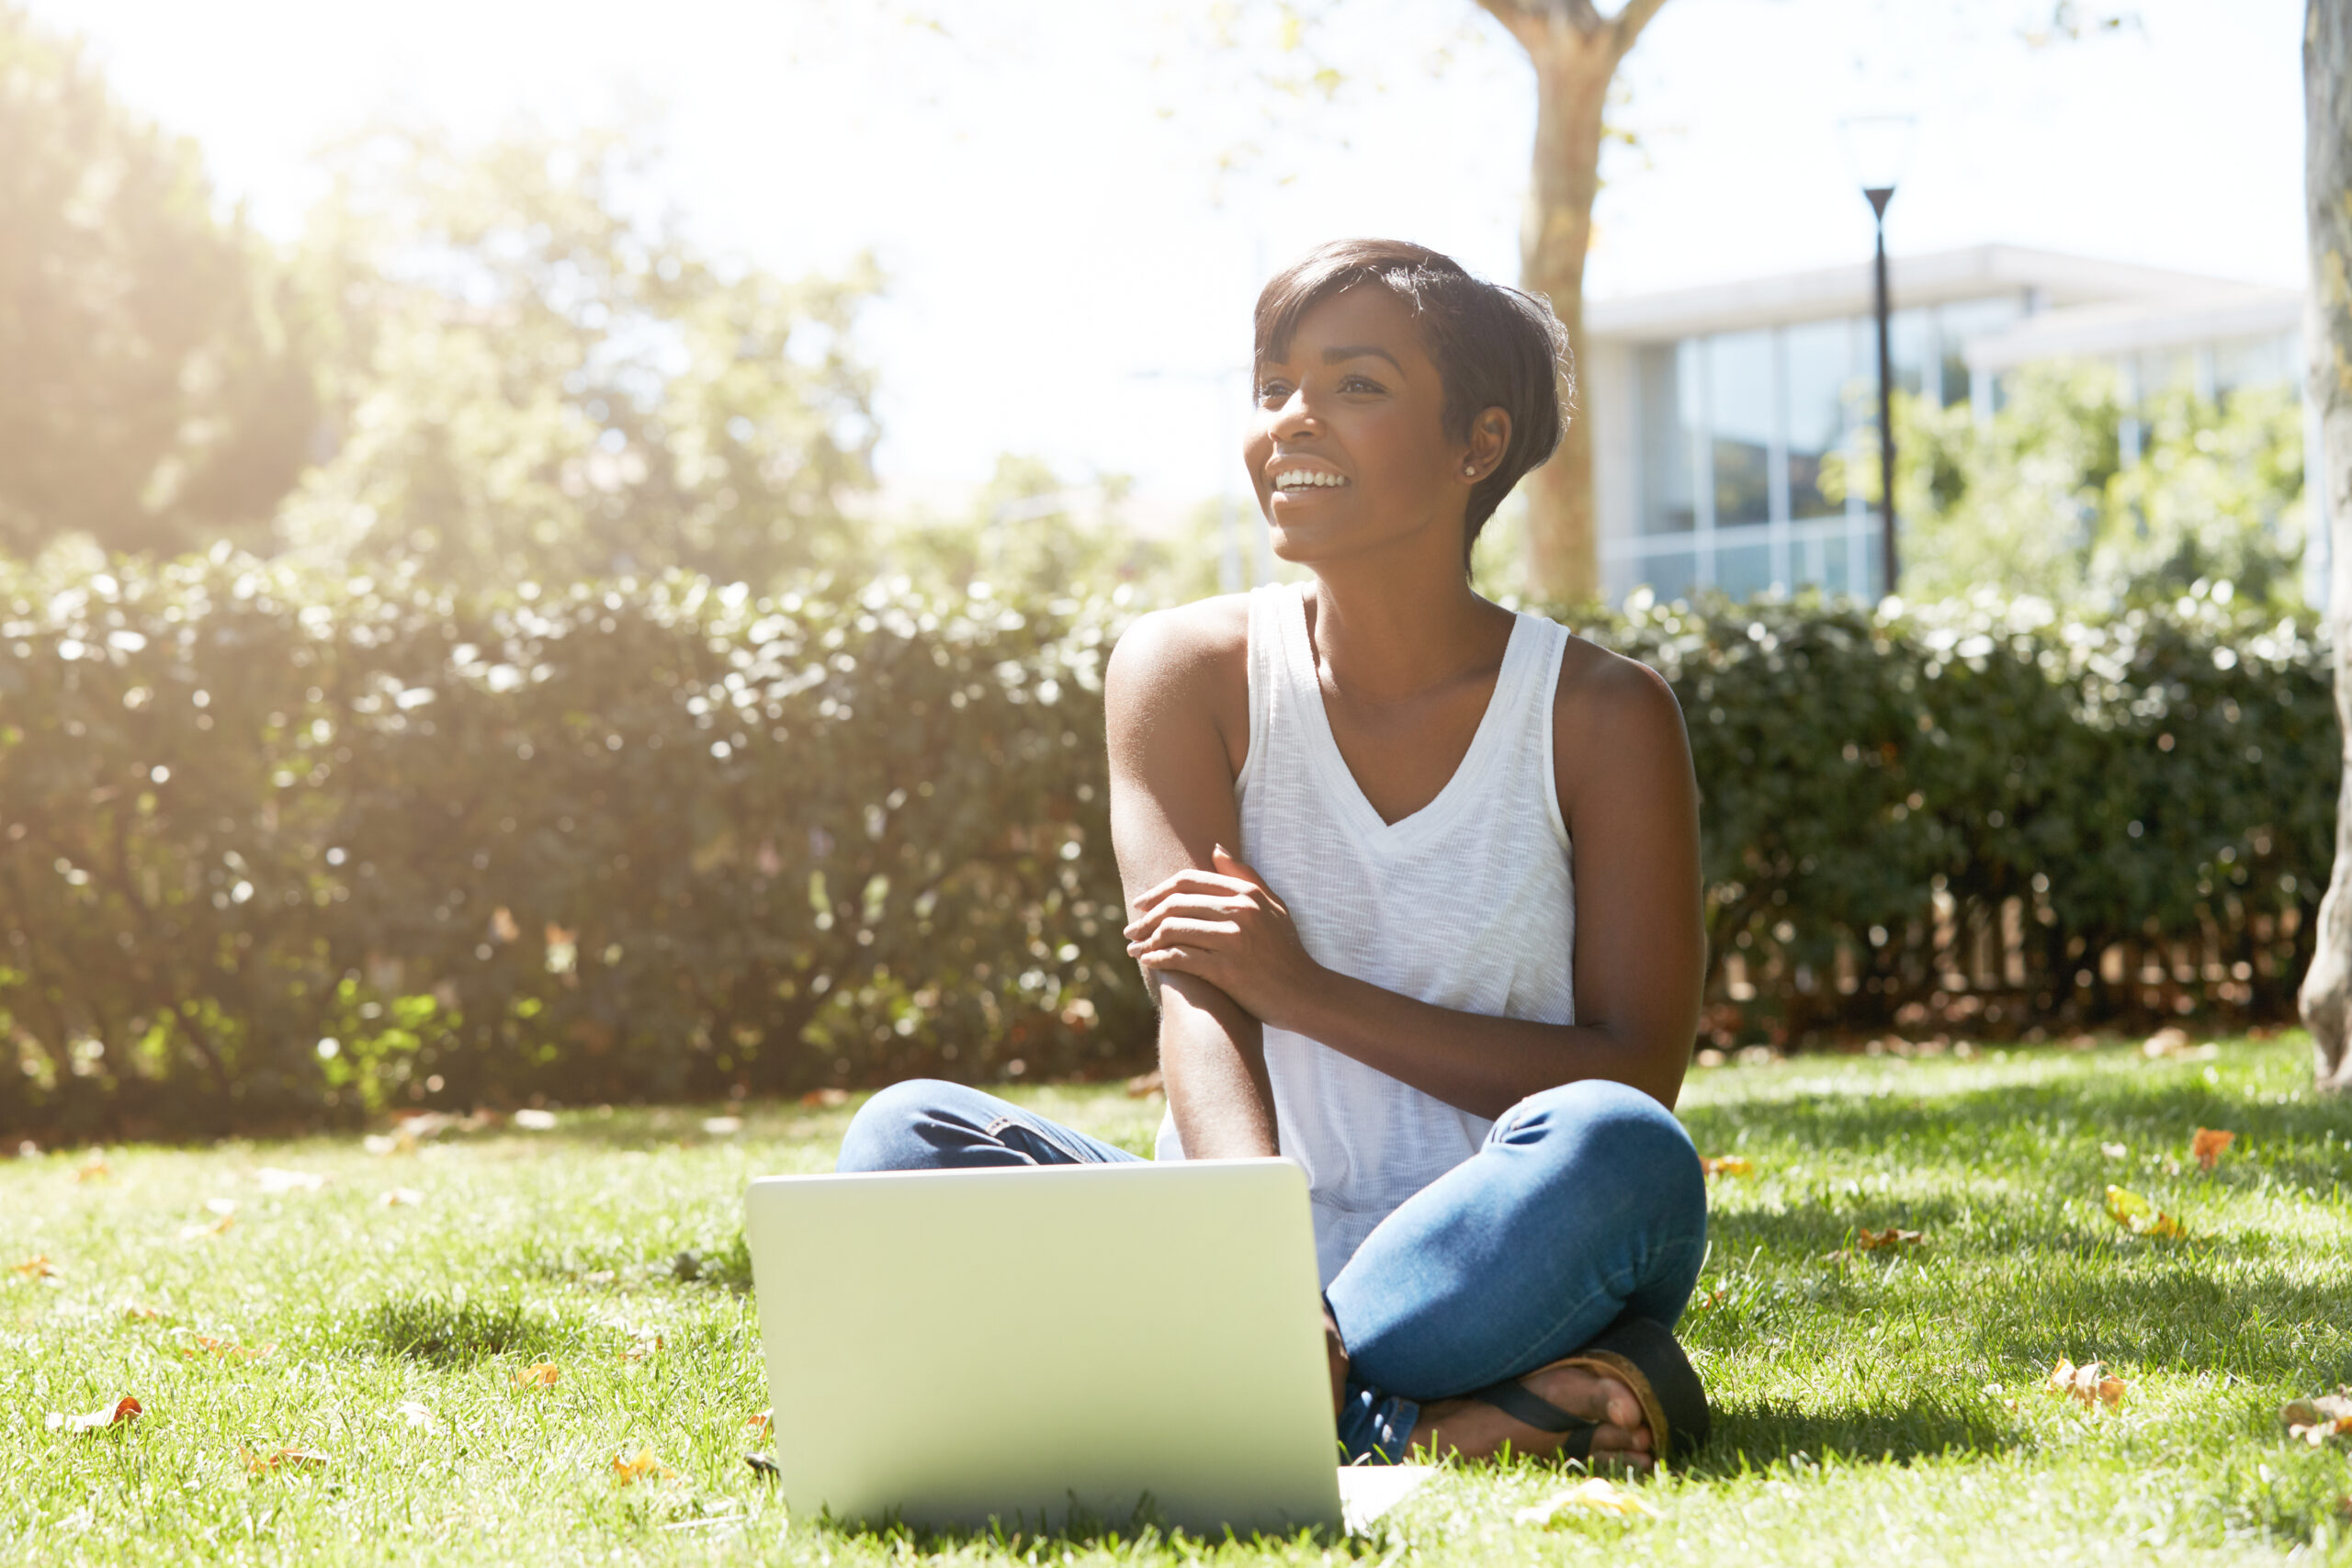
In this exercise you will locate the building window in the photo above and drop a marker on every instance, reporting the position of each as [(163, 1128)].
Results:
[(1735, 431)]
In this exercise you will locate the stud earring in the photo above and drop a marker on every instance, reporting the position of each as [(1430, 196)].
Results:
[(1471, 470)]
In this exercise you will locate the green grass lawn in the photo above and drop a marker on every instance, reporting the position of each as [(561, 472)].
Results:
[(1884, 1409)]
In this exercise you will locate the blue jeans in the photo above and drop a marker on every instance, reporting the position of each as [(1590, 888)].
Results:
[(1586, 1200)]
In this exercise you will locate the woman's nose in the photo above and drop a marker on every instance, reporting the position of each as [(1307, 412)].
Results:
[(1295, 417)]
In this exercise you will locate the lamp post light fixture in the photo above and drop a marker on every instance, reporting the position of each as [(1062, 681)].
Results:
[(1878, 148)]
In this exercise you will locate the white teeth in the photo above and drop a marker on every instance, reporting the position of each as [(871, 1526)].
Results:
[(1300, 478)]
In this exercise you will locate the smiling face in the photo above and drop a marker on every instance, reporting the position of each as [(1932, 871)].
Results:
[(1349, 452)]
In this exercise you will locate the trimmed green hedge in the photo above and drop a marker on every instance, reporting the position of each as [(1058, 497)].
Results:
[(1977, 817), (282, 849), (279, 847)]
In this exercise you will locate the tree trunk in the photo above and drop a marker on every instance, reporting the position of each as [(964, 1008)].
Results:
[(1575, 53), (2326, 995), (1572, 75)]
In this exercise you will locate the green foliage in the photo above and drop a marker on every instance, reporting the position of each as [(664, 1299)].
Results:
[(1030, 533), (2041, 499), (282, 847), (157, 392), (1979, 814), (536, 378)]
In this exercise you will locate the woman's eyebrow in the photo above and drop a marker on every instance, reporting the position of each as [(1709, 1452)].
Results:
[(1333, 356)]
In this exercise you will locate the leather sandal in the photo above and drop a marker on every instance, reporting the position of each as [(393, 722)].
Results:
[(1639, 1352)]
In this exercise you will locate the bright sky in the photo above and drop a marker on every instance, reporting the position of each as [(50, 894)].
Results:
[(1071, 261)]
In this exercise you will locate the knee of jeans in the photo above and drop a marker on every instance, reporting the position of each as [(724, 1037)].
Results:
[(879, 1136), (1612, 1126)]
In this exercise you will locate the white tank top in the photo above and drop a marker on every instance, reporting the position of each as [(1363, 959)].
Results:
[(1469, 904)]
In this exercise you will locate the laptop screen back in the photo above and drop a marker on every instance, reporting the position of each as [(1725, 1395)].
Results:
[(1140, 1343)]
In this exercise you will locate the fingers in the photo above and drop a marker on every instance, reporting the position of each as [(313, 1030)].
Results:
[(1186, 906), (1193, 880), (1185, 932)]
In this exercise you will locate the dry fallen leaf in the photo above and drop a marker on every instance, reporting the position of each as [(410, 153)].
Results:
[(825, 1098), (283, 1458), (1728, 1164), (133, 1310), (2209, 1144), (2165, 1041), (2316, 1420), (1143, 1086), (1867, 1240), (644, 1467), (401, 1141), (96, 1170), (400, 1197), (532, 1120), (539, 1374), (126, 1408), (763, 1422), (2087, 1383), (644, 1346), (218, 1227), (1596, 1494), (2139, 1216), (269, 1178), (37, 1267), (1870, 1240), (227, 1349)]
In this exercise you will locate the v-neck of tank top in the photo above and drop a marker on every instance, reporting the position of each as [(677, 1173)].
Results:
[(1306, 684)]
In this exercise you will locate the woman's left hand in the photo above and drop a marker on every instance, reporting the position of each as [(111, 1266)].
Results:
[(1227, 926)]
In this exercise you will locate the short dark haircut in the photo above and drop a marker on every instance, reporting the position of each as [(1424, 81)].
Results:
[(1494, 346)]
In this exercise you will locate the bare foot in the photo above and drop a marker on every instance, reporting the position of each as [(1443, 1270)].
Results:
[(1474, 1430)]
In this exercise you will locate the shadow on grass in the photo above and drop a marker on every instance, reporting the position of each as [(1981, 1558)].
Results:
[(1894, 1431), (2300, 1141), (454, 1332), (1081, 1527)]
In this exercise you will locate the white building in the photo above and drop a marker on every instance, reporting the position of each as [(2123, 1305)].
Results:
[(1712, 408)]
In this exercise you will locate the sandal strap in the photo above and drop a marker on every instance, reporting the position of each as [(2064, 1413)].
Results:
[(1643, 1355), (1516, 1400)]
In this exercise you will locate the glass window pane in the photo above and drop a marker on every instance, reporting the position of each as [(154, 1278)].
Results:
[(1822, 376), (1963, 322), (1744, 571), (1669, 397), (1671, 574), (2253, 362), (1739, 405)]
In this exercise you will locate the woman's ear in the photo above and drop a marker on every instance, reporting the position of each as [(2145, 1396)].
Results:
[(1489, 439)]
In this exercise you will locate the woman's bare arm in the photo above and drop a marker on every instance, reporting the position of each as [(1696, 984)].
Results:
[(1176, 700), (1631, 804)]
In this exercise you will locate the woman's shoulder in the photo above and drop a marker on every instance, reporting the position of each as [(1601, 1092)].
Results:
[(1206, 641), (1615, 715)]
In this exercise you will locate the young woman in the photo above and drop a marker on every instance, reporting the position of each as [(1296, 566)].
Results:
[(1417, 879)]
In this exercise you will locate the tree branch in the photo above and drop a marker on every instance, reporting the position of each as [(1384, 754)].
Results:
[(1532, 21), (1631, 17)]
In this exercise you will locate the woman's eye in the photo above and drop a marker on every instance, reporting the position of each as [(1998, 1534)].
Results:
[(1270, 391), (1360, 384)]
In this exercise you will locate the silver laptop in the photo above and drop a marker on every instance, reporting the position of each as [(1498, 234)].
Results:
[(1103, 1345)]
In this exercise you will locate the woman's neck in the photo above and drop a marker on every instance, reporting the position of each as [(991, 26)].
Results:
[(1388, 636)]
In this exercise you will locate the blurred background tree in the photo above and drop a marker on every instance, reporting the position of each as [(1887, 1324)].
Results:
[(157, 392), (535, 376), (2040, 499)]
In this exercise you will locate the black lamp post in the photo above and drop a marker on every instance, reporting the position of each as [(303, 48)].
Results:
[(1878, 146)]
